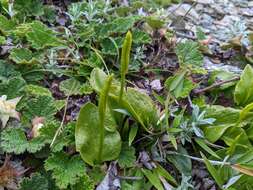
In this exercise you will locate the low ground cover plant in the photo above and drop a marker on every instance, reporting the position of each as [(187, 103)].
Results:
[(87, 102)]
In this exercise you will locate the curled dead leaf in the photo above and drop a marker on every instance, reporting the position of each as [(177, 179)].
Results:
[(37, 124), (10, 174), (243, 169), (8, 109)]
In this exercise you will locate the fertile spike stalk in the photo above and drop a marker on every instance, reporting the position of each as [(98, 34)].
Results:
[(124, 62), (101, 111)]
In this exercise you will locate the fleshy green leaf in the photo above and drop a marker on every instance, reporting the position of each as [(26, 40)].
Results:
[(243, 94), (203, 145), (179, 86), (138, 104), (213, 171), (67, 170), (87, 137), (153, 178)]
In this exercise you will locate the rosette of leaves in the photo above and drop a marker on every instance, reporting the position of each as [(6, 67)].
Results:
[(131, 101)]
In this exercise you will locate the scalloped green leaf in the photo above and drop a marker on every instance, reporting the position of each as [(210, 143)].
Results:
[(12, 87), (24, 56), (14, 140), (36, 180), (41, 36), (188, 53), (29, 7), (40, 106), (7, 25), (67, 170), (74, 87), (35, 90)]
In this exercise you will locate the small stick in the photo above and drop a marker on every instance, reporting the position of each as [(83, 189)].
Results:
[(215, 85)]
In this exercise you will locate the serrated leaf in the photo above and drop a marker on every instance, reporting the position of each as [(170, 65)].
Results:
[(118, 25), (6, 25), (35, 90), (7, 71), (140, 37), (188, 53), (67, 170), (74, 87), (155, 22), (12, 87), (24, 56), (29, 7), (85, 183), (36, 180), (2, 40), (41, 36), (127, 156), (13, 140), (243, 93), (41, 106)]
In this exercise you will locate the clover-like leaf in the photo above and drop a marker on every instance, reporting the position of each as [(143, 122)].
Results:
[(41, 36)]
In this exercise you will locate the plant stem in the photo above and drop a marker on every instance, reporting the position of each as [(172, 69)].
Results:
[(62, 122), (102, 111), (124, 62), (215, 85), (213, 162)]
